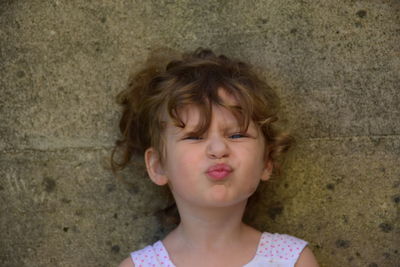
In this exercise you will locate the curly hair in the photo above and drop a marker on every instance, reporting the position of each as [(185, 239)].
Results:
[(161, 90)]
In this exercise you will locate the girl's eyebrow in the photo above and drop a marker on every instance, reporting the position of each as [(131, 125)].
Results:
[(229, 126)]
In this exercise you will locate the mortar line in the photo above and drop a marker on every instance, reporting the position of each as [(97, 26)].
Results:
[(339, 138), (32, 149)]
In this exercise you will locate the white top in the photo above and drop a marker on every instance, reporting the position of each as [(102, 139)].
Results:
[(274, 250)]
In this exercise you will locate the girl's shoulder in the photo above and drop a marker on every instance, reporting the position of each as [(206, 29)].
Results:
[(283, 241), (152, 255), (287, 249), (278, 249), (147, 256)]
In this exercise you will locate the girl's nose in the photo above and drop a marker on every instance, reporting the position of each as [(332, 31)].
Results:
[(217, 148)]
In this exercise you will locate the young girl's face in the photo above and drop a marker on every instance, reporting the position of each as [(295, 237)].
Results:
[(220, 168)]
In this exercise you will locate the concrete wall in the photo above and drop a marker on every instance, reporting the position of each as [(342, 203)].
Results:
[(335, 65)]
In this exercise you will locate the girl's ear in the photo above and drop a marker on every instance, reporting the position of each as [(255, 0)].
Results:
[(267, 171), (154, 167)]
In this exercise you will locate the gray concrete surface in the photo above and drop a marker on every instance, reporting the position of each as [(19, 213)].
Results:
[(335, 65)]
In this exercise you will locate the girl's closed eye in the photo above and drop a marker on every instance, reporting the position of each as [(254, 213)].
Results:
[(238, 135), (192, 137), (232, 136)]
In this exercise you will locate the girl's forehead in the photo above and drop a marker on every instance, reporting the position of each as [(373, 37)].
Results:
[(192, 114), (227, 98), (197, 116)]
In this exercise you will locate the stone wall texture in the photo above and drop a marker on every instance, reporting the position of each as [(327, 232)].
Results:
[(335, 64)]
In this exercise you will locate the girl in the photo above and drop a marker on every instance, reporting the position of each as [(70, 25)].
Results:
[(204, 125)]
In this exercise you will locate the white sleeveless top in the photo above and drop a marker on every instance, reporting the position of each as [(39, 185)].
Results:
[(274, 250)]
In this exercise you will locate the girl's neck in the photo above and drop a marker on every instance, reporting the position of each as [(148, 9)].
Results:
[(210, 229)]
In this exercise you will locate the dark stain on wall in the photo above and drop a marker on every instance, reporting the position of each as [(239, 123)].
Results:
[(275, 210), (110, 188), (115, 249), (340, 243), (65, 200), (49, 184), (20, 74), (361, 13), (330, 187), (133, 189), (386, 227), (396, 199)]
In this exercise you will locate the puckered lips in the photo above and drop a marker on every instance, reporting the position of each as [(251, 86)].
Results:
[(219, 171)]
